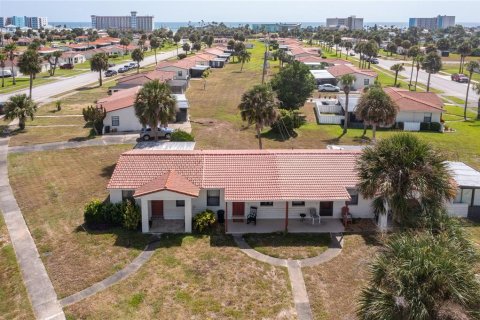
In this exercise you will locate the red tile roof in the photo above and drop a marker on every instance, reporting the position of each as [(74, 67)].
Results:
[(313, 58), (342, 69), (142, 78), (246, 175), (169, 181), (415, 101), (119, 100)]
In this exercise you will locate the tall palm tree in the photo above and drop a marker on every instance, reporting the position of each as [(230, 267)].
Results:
[(155, 105), (397, 68), (476, 88), (99, 63), (347, 81), (244, 56), (258, 107), (403, 170), (431, 64), (52, 59), (29, 64), (413, 53), (137, 56), (10, 49), (422, 276), (464, 50), (155, 44), (20, 107), (418, 65), (376, 108), (471, 67), (3, 58)]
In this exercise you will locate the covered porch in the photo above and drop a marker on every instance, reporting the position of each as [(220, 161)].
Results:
[(278, 225)]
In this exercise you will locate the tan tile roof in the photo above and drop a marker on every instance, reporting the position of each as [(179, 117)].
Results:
[(142, 78), (170, 181), (415, 101), (119, 100), (246, 175), (342, 69)]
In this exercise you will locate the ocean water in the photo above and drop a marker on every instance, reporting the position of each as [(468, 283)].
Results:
[(174, 26)]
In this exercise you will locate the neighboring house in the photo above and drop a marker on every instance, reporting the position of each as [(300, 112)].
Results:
[(281, 184), (140, 79), (323, 77), (181, 68), (364, 77), (121, 113), (73, 57)]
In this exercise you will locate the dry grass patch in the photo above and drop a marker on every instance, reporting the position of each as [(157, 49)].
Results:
[(52, 188), (334, 287), (14, 302), (195, 277), (57, 121), (37, 135), (290, 245)]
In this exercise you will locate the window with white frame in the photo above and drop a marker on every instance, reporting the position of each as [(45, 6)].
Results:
[(366, 82), (180, 73), (213, 198), (180, 203), (266, 204), (115, 121), (354, 197), (127, 194), (464, 196), (427, 117)]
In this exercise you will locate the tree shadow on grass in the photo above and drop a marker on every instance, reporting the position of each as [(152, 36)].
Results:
[(277, 136), (90, 136)]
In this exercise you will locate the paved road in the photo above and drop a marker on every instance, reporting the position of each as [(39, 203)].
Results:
[(43, 92)]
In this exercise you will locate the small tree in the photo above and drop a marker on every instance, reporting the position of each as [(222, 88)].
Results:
[(10, 50), (176, 39), (3, 58), (293, 84), (347, 81), (137, 56), (476, 88), (94, 116), (99, 63), (131, 215), (186, 47), (243, 57), (20, 107), (197, 46), (431, 64), (397, 68), (124, 42), (205, 75), (471, 67), (30, 64), (53, 61), (155, 44)]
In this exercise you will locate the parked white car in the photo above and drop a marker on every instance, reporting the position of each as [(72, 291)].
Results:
[(5, 73), (327, 87)]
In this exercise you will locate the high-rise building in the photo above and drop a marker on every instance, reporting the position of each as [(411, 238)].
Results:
[(131, 22), (36, 22), (351, 23), (2, 22), (438, 22), (17, 21), (276, 27)]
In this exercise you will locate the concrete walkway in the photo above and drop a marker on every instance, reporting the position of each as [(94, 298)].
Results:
[(39, 287), (104, 140), (294, 267), (130, 269)]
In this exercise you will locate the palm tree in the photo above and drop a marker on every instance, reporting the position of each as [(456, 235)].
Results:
[(3, 58), (403, 170), (464, 50), (413, 53), (471, 66), (347, 81), (431, 64), (20, 107), (186, 47), (176, 39), (124, 42), (155, 44), (258, 107), (422, 276), (10, 49), (244, 56), (137, 56), (476, 88), (418, 65), (99, 63), (397, 68), (30, 64), (155, 105), (376, 108), (52, 59)]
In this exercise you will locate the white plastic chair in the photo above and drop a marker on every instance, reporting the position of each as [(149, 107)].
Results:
[(314, 215)]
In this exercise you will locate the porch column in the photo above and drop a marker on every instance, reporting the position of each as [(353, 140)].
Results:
[(286, 216), (145, 226), (188, 215)]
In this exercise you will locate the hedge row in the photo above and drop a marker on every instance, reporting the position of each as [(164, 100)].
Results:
[(102, 215)]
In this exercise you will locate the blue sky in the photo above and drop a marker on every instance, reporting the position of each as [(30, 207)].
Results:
[(245, 10)]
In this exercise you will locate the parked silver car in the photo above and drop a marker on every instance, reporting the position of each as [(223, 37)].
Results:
[(327, 87), (147, 134)]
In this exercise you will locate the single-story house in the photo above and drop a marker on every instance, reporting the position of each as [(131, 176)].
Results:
[(323, 77), (73, 57), (140, 79), (364, 77), (121, 113), (181, 68), (280, 185)]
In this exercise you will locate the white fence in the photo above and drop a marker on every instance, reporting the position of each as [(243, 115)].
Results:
[(331, 108), (326, 119), (411, 126)]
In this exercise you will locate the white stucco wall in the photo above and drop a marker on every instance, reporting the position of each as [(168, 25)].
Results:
[(127, 117), (199, 204), (185, 73), (457, 209), (411, 116), (359, 82)]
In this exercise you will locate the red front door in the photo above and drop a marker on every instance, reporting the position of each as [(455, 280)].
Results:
[(157, 209), (238, 210)]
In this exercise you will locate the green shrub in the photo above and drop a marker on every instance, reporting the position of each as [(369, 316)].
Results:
[(94, 213), (435, 126), (204, 220), (424, 126), (113, 213), (114, 56), (289, 120), (430, 126), (131, 215), (180, 135), (181, 56)]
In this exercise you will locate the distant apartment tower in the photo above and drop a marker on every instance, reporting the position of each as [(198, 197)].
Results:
[(275, 27), (131, 22), (36, 22), (438, 22), (17, 21), (351, 23), (2, 22)]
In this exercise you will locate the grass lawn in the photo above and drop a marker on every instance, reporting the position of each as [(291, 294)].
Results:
[(290, 245), (36, 135), (14, 302), (57, 121), (195, 277), (334, 287), (52, 188), (22, 83)]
